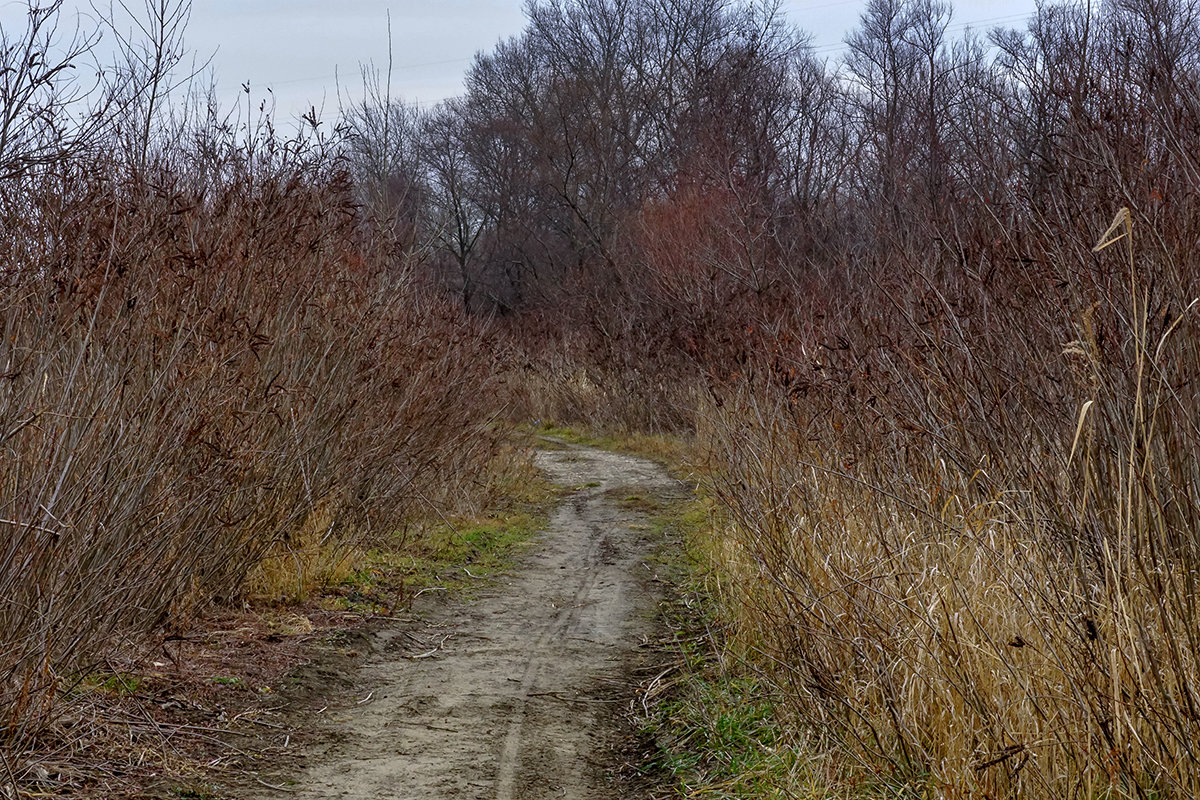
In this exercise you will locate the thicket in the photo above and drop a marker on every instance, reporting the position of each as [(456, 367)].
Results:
[(929, 307), (954, 441), (212, 358)]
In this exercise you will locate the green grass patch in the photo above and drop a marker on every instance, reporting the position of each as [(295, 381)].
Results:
[(717, 729), (114, 684), (719, 738), (685, 520), (457, 552), (450, 552)]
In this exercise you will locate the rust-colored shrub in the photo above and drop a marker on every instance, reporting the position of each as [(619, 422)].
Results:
[(200, 360)]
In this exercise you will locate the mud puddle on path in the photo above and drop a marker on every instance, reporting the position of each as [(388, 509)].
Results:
[(521, 691)]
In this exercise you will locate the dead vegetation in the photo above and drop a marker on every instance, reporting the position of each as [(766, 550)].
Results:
[(216, 379), (953, 444)]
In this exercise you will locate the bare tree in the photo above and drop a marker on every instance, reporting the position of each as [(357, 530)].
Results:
[(49, 105), (149, 47), (884, 65), (460, 213), (383, 149)]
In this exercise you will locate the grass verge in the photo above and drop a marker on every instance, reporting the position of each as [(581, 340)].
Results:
[(712, 723), (448, 554)]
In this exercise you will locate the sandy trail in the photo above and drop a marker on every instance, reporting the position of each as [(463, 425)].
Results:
[(523, 696)]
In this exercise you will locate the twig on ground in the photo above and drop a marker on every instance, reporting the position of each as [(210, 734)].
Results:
[(273, 786)]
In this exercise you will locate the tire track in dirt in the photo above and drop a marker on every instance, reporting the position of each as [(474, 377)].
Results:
[(521, 691)]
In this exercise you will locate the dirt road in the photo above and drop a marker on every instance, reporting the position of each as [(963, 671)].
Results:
[(518, 692)]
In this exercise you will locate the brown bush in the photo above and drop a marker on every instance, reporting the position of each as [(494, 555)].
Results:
[(200, 362)]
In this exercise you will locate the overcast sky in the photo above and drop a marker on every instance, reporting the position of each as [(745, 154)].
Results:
[(297, 47)]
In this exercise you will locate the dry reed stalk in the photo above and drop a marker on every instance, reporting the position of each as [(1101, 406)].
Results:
[(966, 602)]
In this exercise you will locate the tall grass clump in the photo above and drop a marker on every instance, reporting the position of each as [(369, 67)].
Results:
[(963, 542)]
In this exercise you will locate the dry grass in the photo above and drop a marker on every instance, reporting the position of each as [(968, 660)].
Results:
[(966, 599), (309, 560)]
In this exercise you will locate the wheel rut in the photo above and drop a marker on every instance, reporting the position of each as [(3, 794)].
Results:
[(524, 690)]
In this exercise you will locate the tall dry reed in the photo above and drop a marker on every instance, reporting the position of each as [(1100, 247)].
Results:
[(965, 548)]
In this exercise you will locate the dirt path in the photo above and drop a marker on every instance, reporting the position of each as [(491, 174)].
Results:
[(519, 692)]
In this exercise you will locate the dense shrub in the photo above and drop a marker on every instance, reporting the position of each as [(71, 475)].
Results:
[(205, 362)]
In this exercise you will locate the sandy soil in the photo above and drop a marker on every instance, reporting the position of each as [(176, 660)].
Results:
[(520, 691)]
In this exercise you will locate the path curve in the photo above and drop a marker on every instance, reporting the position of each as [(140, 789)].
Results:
[(524, 693)]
